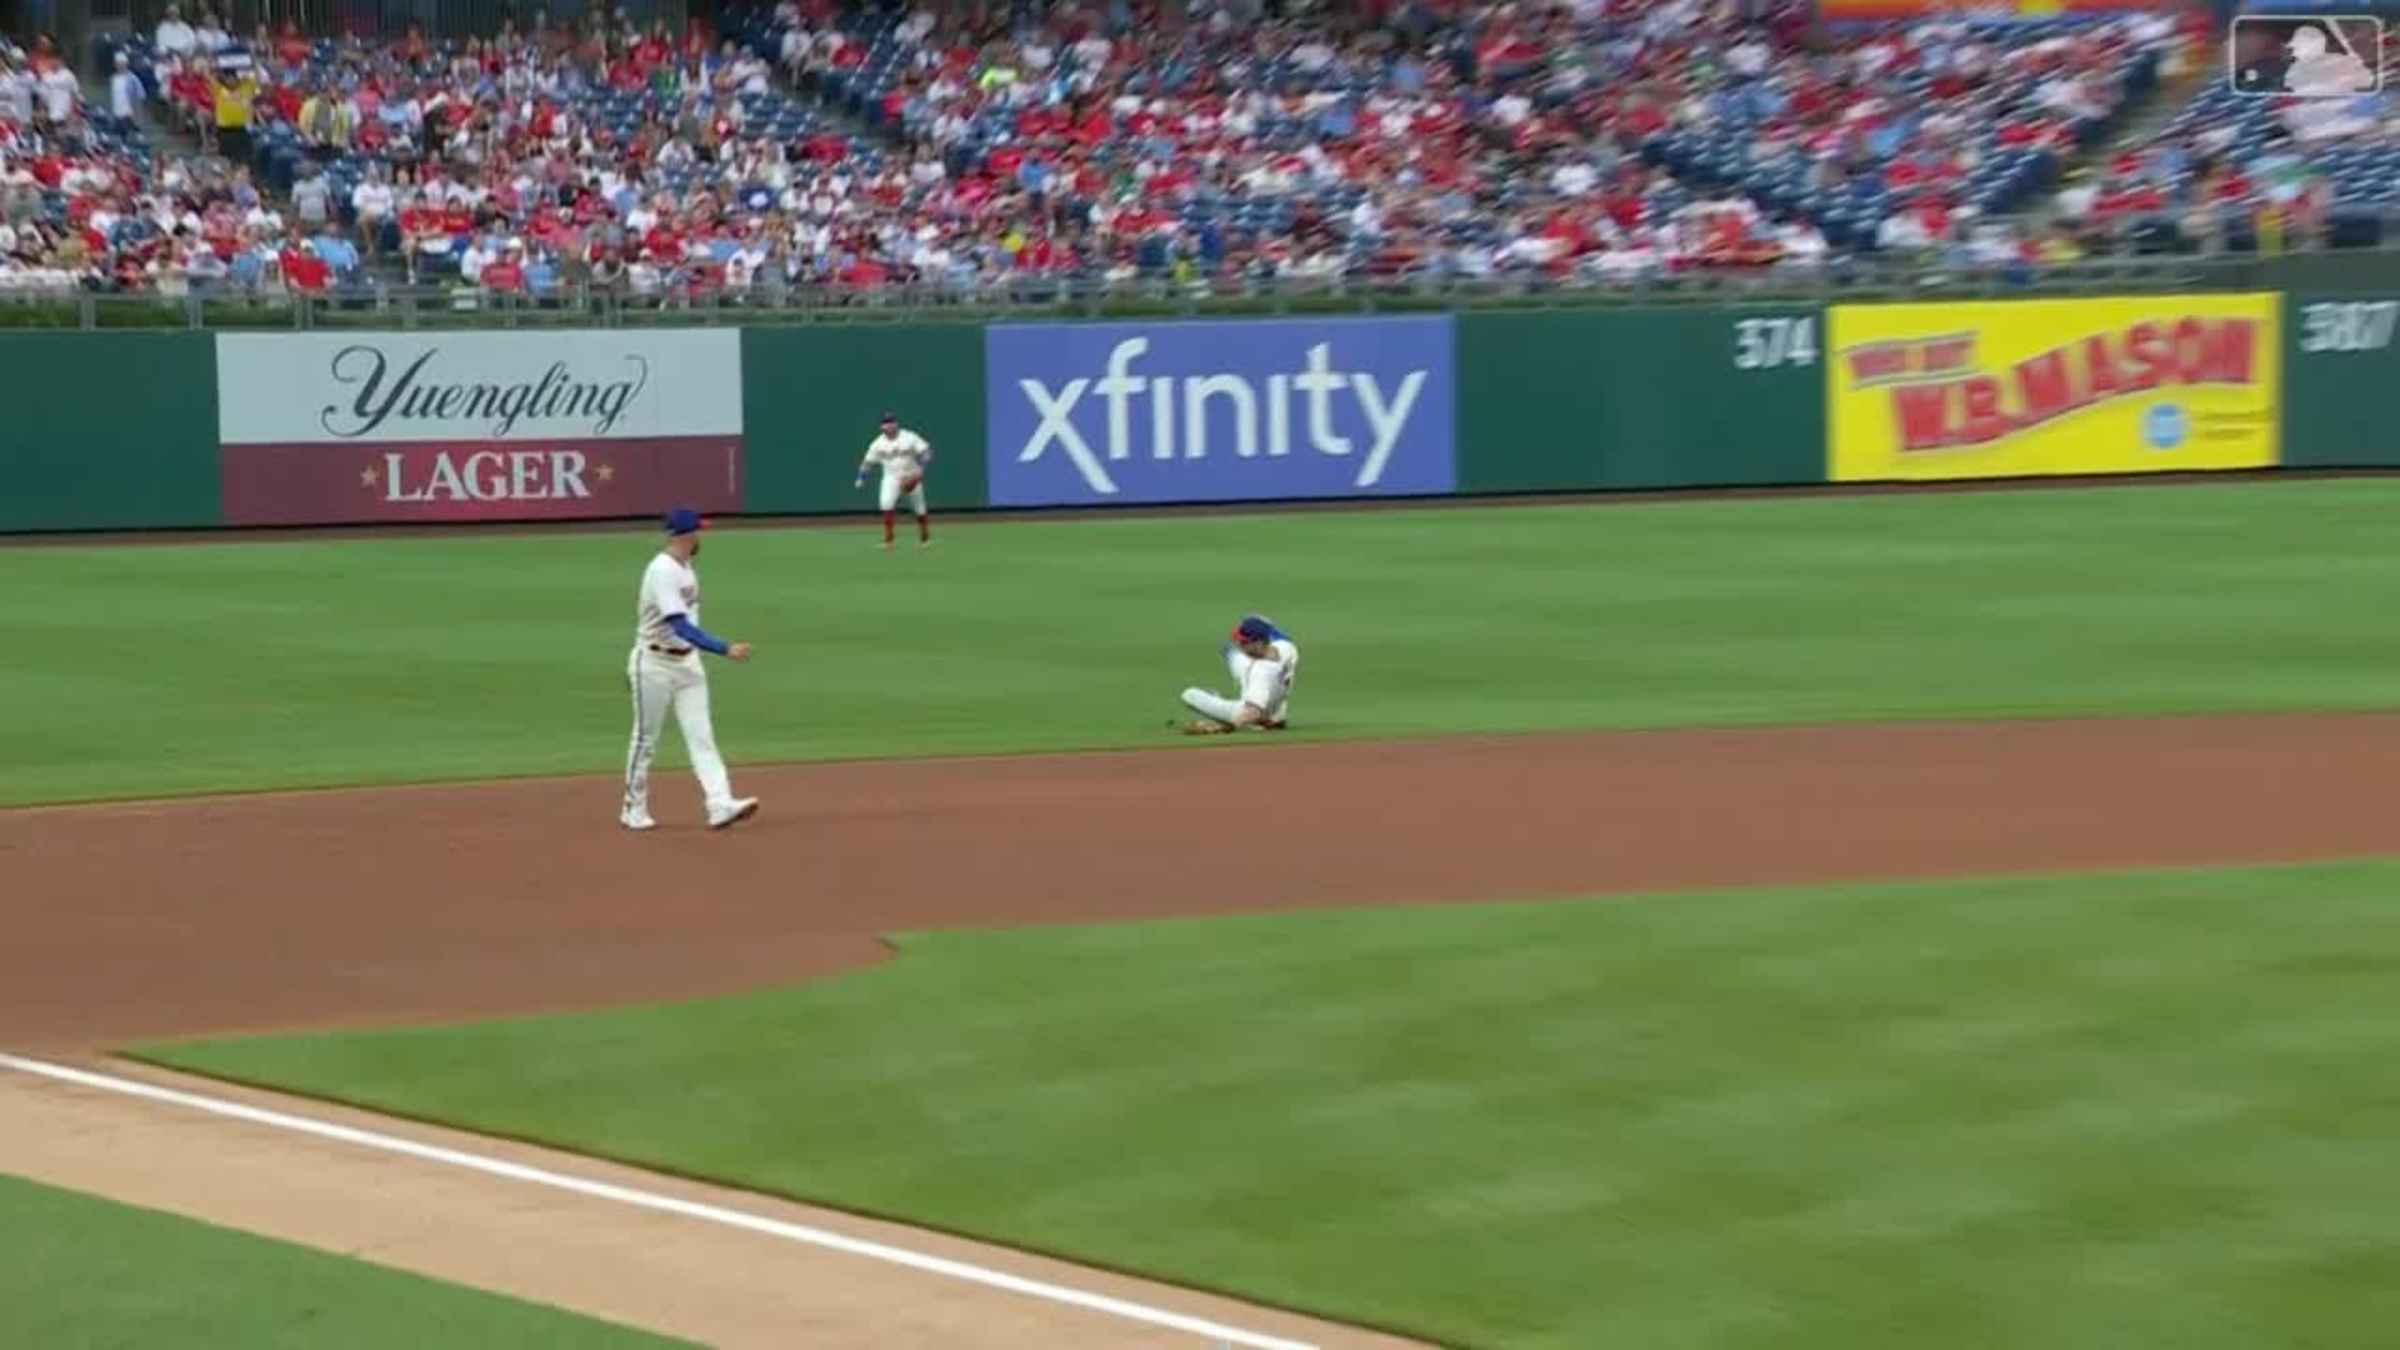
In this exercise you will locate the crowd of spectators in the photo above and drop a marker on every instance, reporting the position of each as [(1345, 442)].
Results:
[(596, 154), (86, 204), (1463, 140), (1035, 144), (2232, 171), (78, 205), (1596, 138)]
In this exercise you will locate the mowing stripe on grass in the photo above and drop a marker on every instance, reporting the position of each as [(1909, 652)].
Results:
[(463, 657), (690, 1209)]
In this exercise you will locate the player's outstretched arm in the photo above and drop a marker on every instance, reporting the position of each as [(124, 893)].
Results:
[(705, 640)]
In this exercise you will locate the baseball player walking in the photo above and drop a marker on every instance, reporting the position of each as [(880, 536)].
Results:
[(903, 455), (1264, 662), (665, 672)]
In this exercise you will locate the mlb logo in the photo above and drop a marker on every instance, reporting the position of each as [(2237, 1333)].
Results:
[(2305, 55)]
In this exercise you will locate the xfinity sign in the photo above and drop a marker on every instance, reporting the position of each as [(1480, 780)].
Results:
[(1194, 412)]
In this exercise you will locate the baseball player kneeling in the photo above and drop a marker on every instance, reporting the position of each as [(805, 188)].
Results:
[(1264, 662)]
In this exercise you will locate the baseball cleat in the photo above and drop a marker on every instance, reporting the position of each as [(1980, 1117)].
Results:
[(742, 809), (633, 820)]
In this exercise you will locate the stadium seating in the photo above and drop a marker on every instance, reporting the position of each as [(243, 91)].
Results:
[(85, 204), (1254, 136), (2005, 142), (868, 145), (2326, 166)]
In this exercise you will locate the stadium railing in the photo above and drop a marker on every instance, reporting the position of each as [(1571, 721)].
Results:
[(441, 17), (385, 306)]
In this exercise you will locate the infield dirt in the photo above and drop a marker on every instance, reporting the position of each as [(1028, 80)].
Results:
[(158, 919)]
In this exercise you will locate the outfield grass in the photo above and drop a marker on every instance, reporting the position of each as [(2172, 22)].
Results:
[(82, 1271), (152, 670), (2039, 1114)]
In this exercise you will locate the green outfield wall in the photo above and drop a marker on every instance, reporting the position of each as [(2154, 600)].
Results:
[(811, 397), (154, 431), (1641, 398), (2341, 376), (108, 431)]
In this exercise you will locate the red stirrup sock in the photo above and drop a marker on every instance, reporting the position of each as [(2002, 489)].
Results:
[(887, 526)]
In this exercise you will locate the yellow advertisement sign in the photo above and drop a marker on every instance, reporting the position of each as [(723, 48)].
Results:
[(2018, 388)]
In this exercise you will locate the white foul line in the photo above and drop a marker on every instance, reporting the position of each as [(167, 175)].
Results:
[(690, 1209)]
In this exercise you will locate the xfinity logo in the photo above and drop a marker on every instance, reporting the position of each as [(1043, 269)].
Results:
[(1169, 417), (1219, 410)]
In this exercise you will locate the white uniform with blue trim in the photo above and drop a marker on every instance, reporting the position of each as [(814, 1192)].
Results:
[(665, 675), (1265, 682)]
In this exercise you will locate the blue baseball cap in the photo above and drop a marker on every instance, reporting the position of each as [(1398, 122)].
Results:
[(685, 520), (1254, 629)]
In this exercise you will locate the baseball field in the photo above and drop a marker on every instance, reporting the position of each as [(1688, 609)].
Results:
[(1824, 921)]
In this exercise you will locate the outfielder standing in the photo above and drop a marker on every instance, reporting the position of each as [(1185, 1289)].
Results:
[(665, 672), (903, 455)]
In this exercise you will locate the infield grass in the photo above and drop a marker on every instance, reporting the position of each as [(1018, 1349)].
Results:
[(2150, 1109), (85, 1272), (224, 666)]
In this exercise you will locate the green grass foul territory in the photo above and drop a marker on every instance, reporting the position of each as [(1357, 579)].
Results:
[(86, 1272), (2148, 1109), (242, 665)]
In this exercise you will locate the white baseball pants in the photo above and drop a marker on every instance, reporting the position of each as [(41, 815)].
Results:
[(1261, 683), (890, 496), (679, 683)]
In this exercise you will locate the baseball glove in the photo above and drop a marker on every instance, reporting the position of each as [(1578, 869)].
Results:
[(1201, 726), (909, 484)]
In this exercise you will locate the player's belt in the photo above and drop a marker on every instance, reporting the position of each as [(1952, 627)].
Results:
[(670, 651)]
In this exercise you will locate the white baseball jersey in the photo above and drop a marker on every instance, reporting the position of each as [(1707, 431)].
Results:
[(1266, 684), (669, 587), (902, 453)]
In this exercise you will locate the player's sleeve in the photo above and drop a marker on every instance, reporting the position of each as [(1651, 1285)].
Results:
[(696, 636)]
